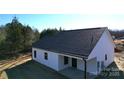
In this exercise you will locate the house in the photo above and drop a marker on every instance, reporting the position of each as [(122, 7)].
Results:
[(89, 50)]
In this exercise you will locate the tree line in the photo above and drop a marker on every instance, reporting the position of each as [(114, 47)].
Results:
[(117, 33), (16, 37)]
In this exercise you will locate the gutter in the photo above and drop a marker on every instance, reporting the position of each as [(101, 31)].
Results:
[(85, 68)]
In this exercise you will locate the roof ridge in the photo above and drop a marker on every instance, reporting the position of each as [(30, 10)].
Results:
[(85, 29)]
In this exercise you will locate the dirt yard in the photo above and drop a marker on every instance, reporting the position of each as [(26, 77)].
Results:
[(119, 56), (10, 63), (24, 67), (32, 70), (119, 60)]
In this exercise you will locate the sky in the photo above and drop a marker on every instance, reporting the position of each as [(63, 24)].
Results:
[(66, 21)]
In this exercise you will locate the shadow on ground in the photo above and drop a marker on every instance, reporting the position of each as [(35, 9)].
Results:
[(33, 70), (111, 72)]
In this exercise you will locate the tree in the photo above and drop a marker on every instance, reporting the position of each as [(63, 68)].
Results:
[(28, 36), (60, 29), (2, 34), (2, 38), (14, 37), (48, 32), (36, 35)]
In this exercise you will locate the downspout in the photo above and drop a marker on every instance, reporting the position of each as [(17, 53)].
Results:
[(85, 68)]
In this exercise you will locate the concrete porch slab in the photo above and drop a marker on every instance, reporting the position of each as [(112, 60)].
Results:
[(74, 73)]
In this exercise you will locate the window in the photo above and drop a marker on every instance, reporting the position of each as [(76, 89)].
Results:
[(46, 56), (35, 54), (98, 66), (105, 56), (102, 65), (65, 60)]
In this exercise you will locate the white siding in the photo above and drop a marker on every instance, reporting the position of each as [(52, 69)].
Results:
[(61, 62), (52, 58), (80, 64), (56, 61), (92, 66), (104, 46)]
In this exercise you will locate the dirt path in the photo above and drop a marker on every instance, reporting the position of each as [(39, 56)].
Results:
[(7, 64)]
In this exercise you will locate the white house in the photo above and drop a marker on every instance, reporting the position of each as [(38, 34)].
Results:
[(89, 50)]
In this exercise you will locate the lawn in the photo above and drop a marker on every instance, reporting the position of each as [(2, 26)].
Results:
[(32, 70)]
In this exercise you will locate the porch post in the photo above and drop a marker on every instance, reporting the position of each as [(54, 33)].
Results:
[(85, 68)]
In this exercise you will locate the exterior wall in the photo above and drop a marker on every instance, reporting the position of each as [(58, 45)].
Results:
[(104, 46), (80, 64), (61, 63), (92, 66), (52, 58), (56, 61)]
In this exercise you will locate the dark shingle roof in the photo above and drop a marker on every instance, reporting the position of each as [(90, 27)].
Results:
[(74, 42)]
